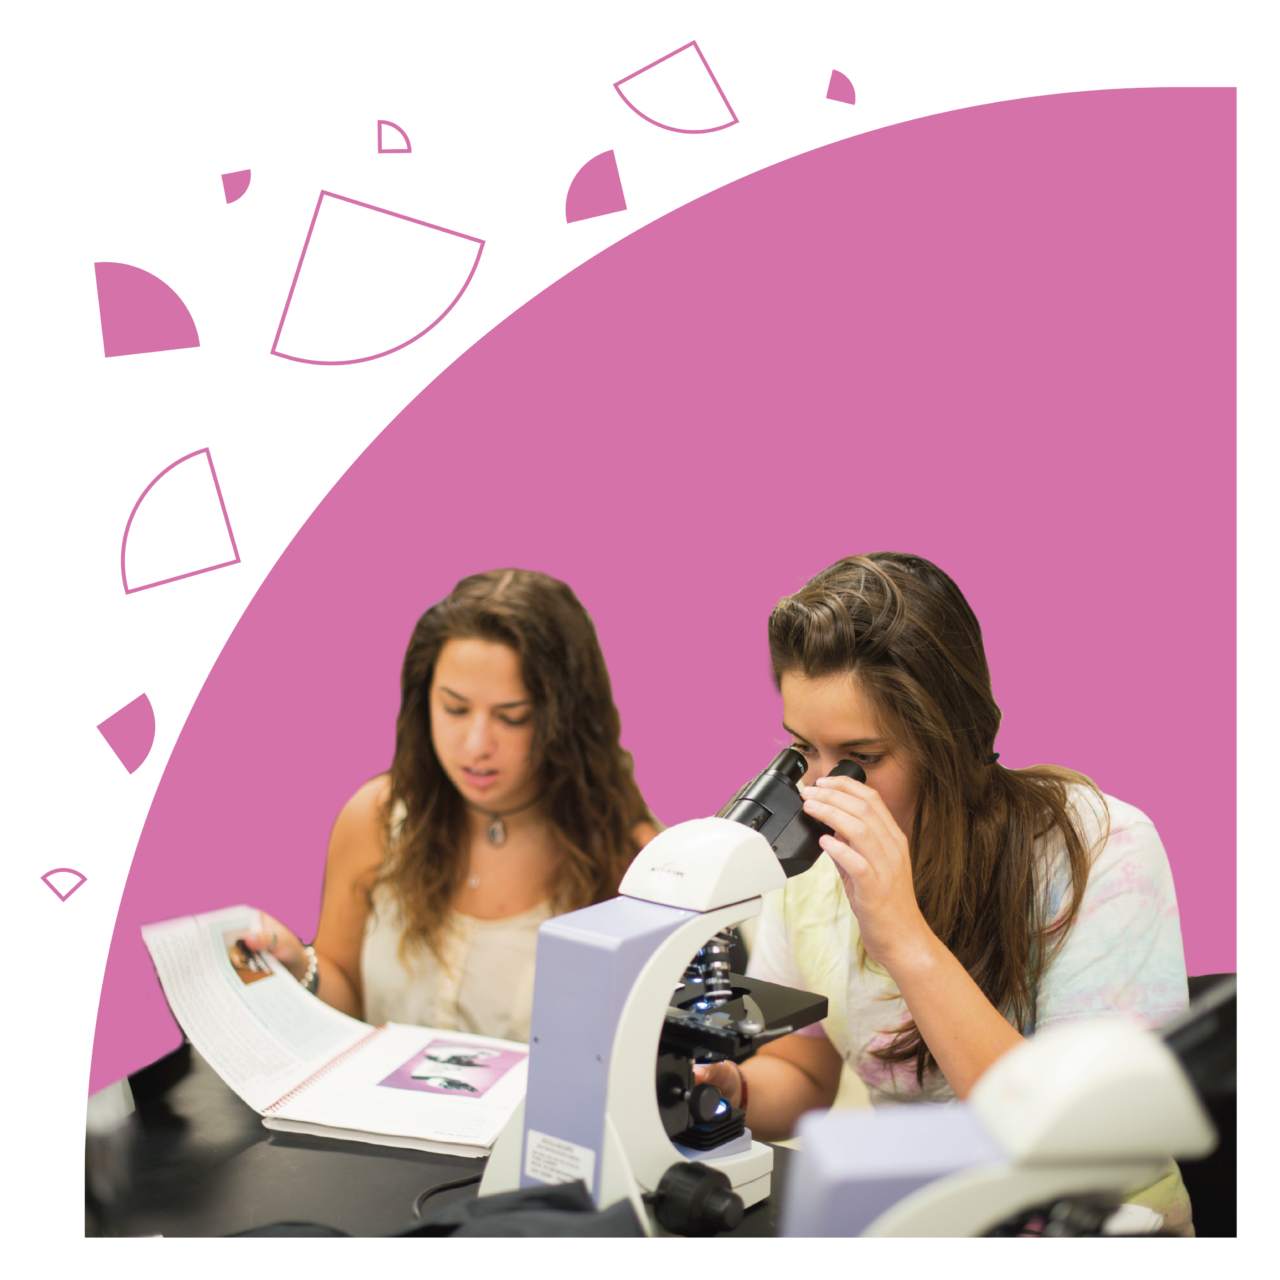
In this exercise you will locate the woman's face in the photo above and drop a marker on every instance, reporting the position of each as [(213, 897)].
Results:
[(482, 723), (830, 719)]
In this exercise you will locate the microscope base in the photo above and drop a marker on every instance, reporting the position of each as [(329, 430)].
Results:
[(749, 1172)]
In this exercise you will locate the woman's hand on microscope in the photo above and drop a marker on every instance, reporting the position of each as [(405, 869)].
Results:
[(281, 941), (726, 1077), (872, 854)]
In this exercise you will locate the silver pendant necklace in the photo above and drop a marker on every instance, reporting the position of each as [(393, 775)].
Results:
[(496, 832)]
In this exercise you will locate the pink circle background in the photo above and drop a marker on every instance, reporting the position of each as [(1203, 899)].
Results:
[(1002, 338)]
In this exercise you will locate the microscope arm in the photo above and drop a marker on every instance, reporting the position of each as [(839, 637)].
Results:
[(636, 1122)]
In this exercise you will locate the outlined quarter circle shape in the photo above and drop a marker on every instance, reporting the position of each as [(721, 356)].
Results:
[(384, 125), (399, 346), (671, 128), (124, 542)]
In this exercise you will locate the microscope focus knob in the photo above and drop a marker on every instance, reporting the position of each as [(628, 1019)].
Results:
[(703, 1100), (671, 1089), (693, 1199)]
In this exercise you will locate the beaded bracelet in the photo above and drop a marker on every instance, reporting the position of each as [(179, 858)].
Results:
[(311, 979)]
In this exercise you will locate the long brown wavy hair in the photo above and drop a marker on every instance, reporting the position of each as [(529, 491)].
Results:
[(588, 781), (903, 630)]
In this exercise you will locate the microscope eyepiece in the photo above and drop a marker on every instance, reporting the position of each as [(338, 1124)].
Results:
[(770, 804), (849, 769), (790, 764)]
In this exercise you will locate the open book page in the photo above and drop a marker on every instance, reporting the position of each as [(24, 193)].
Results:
[(248, 1017), (440, 1086)]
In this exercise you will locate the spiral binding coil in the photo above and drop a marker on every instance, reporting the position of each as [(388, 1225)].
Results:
[(323, 1071)]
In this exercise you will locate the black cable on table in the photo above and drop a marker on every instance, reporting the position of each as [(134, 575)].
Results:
[(423, 1196)]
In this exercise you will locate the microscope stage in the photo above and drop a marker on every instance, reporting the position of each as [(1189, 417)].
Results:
[(757, 1013)]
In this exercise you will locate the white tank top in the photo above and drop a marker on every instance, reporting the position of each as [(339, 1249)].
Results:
[(484, 984)]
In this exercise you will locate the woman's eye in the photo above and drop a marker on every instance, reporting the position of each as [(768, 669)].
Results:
[(515, 724), (865, 760), (455, 711)]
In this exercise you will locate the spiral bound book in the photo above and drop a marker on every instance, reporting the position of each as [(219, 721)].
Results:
[(306, 1068)]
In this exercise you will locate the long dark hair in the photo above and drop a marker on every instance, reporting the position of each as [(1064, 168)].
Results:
[(590, 794), (903, 629)]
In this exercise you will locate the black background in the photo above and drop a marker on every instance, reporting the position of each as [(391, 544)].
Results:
[(137, 128)]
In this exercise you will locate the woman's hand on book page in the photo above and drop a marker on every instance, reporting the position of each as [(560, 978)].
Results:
[(281, 941)]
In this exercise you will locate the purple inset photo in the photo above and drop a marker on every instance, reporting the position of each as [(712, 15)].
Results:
[(456, 1067)]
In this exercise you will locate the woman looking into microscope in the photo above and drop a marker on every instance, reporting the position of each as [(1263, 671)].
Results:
[(962, 905), (509, 799)]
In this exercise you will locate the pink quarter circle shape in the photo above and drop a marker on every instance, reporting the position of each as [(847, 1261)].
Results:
[(139, 312), (840, 88), (62, 897), (596, 189), (377, 355), (124, 542), (131, 731), (384, 129), (617, 84), (234, 185)]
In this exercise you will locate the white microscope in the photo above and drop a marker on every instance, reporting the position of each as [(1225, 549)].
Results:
[(620, 1011), (1071, 1120)]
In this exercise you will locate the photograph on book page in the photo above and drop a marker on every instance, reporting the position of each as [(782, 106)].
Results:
[(351, 1097), (449, 1065)]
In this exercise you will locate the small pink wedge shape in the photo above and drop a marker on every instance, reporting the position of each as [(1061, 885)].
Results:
[(617, 84), (596, 189), (408, 342), (841, 88), (236, 182), (124, 543), (57, 871), (139, 312), (385, 130), (131, 731)]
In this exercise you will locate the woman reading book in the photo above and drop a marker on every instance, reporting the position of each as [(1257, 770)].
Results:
[(509, 799), (962, 905)]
